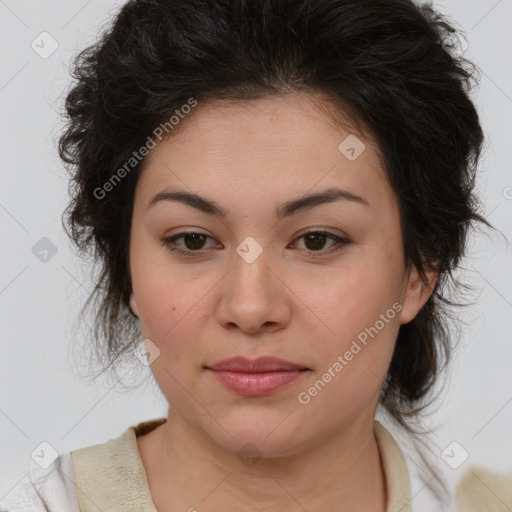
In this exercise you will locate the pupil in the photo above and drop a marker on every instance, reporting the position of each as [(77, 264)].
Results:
[(196, 238), (319, 238)]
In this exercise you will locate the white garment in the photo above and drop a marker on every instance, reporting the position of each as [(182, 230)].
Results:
[(45, 490)]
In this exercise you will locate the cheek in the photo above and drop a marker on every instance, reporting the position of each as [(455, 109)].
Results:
[(157, 302), (358, 312), (351, 300), (352, 364), (159, 294), (173, 311)]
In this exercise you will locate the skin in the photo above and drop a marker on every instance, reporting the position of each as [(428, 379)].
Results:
[(291, 302)]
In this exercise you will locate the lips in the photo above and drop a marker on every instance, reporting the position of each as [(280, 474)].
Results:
[(259, 365), (262, 376)]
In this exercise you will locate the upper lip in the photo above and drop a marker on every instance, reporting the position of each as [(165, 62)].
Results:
[(261, 364)]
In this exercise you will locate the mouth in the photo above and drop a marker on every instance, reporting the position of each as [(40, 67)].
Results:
[(259, 365), (258, 377)]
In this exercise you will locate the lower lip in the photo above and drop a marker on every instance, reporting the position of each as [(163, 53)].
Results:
[(256, 384)]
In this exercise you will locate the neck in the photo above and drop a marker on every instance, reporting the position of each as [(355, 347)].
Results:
[(343, 471)]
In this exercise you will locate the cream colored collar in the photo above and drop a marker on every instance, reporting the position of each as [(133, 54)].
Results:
[(111, 476)]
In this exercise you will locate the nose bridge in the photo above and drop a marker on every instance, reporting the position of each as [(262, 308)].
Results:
[(252, 276), (252, 295)]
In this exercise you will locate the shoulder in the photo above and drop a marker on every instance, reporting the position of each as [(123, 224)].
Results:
[(484, 490), (60, 487), (435, 487), (45, 490), (117, 451), (111, 473)]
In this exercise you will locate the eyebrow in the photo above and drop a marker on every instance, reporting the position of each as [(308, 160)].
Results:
[(285, 210)]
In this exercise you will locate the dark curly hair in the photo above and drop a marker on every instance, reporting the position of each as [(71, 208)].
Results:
[(391, 64)]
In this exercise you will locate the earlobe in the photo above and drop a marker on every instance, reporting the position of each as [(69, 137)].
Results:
[(133, 305), (417, 294)]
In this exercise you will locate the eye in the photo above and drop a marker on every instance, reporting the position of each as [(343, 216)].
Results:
[(194, 242), (315, 241)]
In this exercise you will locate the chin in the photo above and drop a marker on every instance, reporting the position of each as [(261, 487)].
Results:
[(269, 433)]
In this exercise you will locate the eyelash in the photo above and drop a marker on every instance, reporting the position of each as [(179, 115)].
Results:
[(341, 242)]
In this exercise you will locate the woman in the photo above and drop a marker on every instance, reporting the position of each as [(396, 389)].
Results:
[(278, 193)]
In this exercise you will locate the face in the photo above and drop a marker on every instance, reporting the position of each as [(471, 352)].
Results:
[(248, 271)]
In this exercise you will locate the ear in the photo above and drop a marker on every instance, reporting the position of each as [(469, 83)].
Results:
[(133, 305), (417, 293)]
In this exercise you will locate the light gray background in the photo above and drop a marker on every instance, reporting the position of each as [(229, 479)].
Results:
[(41, 396)]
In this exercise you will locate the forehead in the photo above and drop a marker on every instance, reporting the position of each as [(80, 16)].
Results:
[(265, 148), (301, 120)]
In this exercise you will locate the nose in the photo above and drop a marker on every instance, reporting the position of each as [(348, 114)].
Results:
[(253, 297)]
